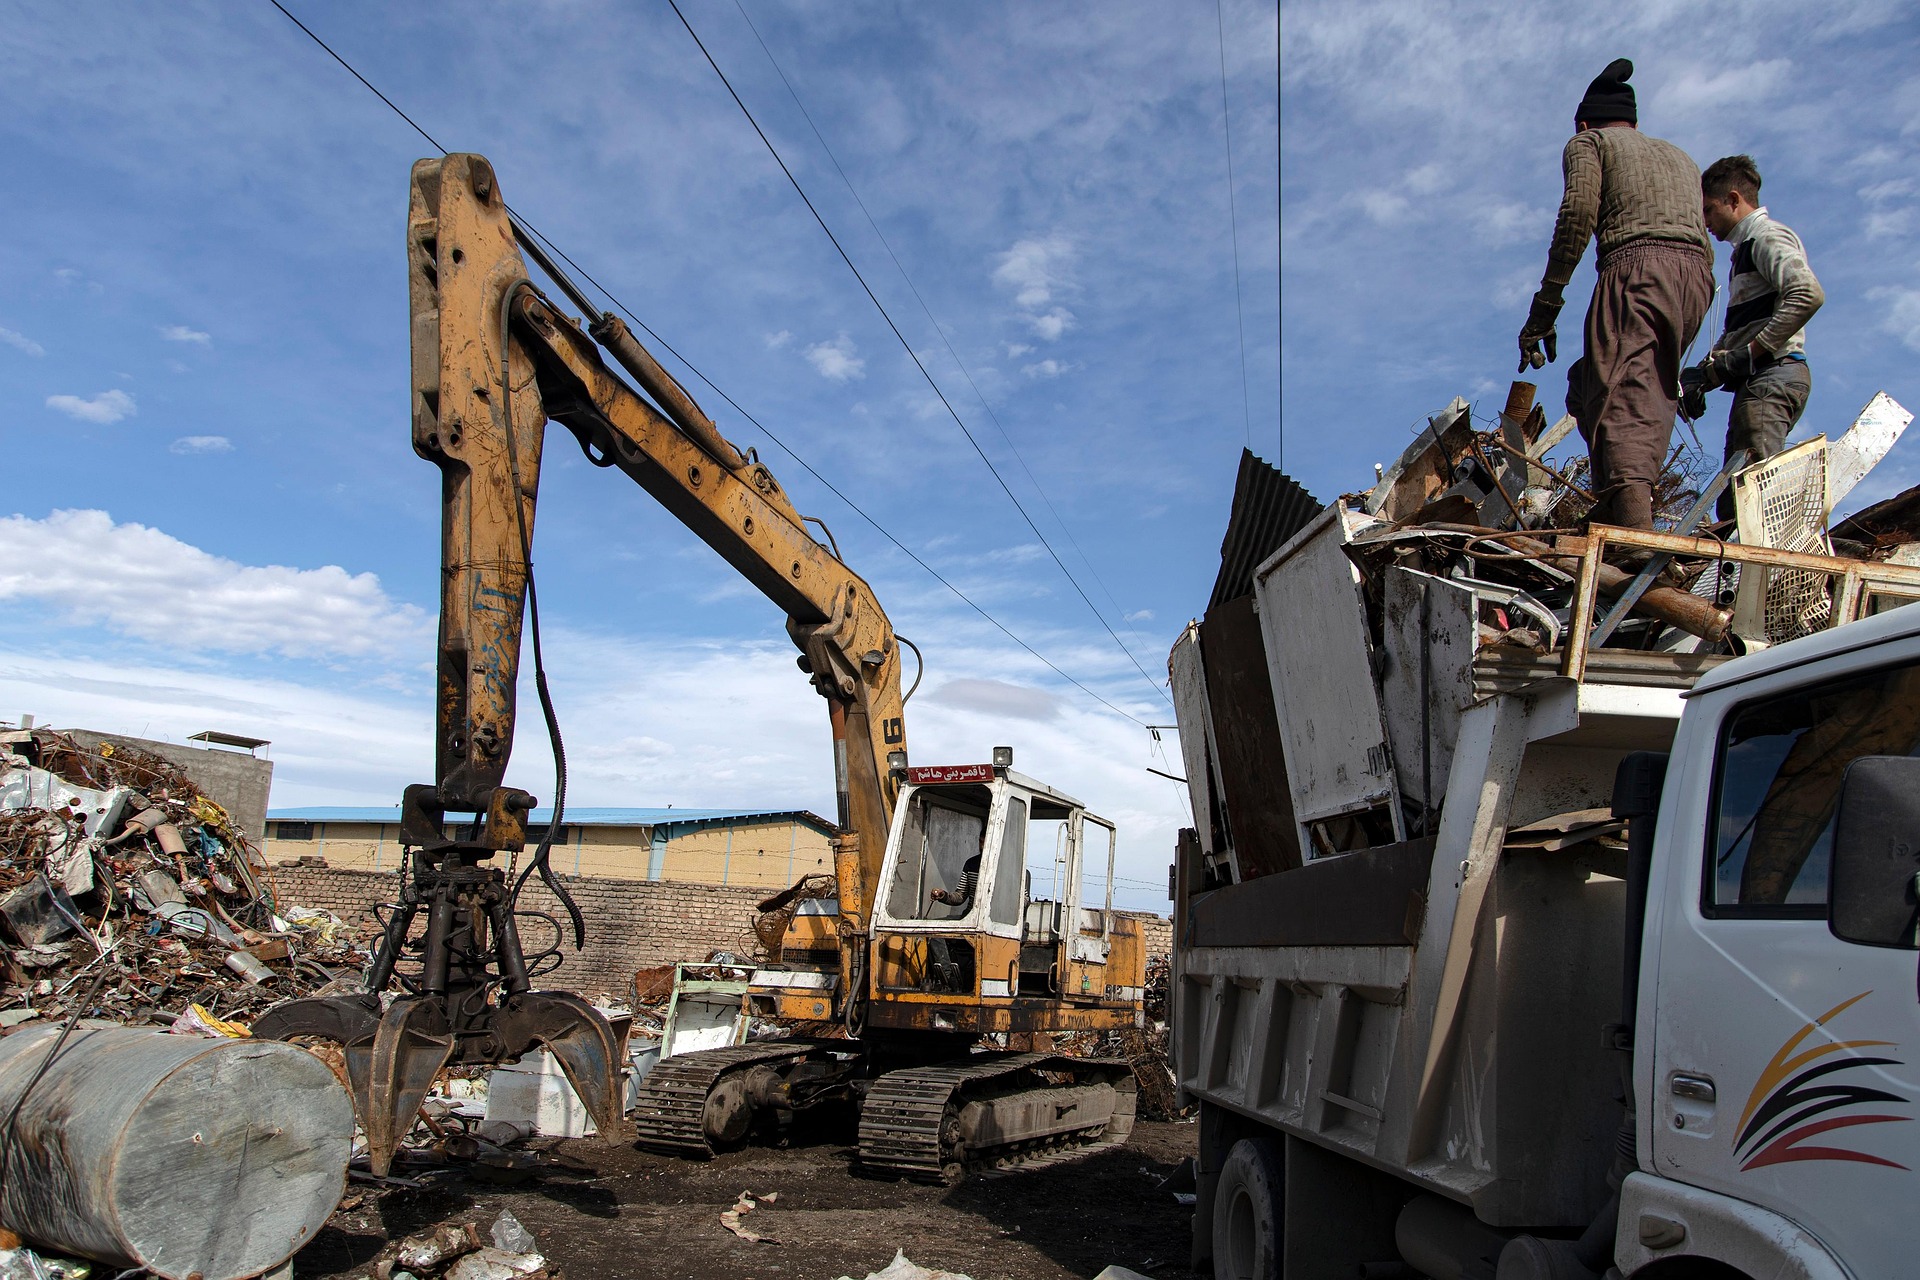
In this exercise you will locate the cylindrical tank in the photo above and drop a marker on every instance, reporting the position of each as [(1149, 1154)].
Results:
[(194, 1158)]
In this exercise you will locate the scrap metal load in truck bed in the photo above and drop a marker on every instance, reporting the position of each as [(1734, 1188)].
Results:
[(1445, 902)]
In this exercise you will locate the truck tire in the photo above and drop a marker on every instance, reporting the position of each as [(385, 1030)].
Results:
[(1246, 1213)]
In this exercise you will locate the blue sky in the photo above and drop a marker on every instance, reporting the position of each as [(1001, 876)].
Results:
[(213, 517)]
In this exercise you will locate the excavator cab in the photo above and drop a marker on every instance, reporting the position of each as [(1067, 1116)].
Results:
[(959, 942)]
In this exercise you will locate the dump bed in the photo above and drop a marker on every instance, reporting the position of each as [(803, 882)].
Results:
[(1400, 912)]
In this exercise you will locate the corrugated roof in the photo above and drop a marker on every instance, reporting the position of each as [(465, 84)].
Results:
[(582, 816), (1268, 508)]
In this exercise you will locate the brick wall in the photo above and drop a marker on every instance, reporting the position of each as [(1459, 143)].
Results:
[(631, 924)]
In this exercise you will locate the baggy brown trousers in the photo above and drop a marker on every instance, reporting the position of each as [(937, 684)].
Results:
[(1624, 390)]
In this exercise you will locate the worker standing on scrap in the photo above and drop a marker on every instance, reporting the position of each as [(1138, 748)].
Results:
[(1771, 294), (1639, 197)]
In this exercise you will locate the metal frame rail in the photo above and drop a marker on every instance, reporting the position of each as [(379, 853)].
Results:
[(1858, 579)]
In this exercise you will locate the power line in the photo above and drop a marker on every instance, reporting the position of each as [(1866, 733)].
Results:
[(787, 449), (911, 353), (937, 327), (1233, 221), (1279, 254)]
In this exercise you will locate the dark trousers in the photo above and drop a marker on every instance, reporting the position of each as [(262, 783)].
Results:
[(1624, 390), (1766, 407)]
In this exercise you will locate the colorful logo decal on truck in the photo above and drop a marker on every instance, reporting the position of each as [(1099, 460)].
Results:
[(1796, 1087)]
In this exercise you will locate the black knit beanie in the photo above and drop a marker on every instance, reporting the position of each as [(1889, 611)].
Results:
[(1609, 97)]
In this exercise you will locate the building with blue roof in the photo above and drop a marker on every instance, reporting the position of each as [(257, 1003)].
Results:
[(761, 848)]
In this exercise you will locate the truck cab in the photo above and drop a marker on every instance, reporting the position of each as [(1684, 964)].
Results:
[(1776, 1056)]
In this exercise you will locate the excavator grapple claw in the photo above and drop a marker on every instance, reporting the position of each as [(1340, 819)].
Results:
[(469, 1003), (584, 1043), (391, 1075)]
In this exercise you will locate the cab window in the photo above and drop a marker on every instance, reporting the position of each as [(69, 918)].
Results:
[(1010, 871), (938, 875), (1777, 782)]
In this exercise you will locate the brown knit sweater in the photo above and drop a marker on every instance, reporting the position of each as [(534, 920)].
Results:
[(1622, 186)]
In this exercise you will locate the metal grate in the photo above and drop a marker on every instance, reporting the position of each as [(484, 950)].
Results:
[(1782, 503)]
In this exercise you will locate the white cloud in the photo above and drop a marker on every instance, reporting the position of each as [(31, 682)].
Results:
[(1046, 369), (775, 341), (1384, 207), (836, 360), (143, 583), (1139, 615), (21, 342), (1504, 222), (1017, 349), (1903, 313), (1427, 179), (1695, 90), (108, 406), (998, 698), (201, 444), (1036, 269), (1039, 272), (1050, 326), (180, 333), (1516, 286)]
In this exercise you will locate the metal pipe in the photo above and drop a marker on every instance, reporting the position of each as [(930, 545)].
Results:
[(129, 1149), (611, 332)]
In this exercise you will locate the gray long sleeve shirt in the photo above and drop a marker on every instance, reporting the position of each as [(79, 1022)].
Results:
[(1621, 186), (1771, 290)]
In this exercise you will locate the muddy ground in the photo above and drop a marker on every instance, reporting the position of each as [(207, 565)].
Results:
[(618, 1213)]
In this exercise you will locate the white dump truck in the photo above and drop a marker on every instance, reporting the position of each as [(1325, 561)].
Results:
[(1500, 954)]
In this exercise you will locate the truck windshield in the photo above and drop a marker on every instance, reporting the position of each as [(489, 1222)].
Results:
[(1778, 782), (938, 874)]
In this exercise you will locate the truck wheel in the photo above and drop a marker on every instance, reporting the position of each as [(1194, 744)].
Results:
[(1246, 1213)]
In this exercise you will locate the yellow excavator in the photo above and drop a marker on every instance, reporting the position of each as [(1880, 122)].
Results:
[(930, 938)]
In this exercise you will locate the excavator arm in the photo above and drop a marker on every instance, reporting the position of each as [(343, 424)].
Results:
[(493, 361)]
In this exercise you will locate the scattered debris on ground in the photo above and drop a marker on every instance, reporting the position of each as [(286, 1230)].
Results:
[(619, 1213)]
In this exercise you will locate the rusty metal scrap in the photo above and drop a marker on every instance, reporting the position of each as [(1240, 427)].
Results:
[(1487, 510), (114, 858)]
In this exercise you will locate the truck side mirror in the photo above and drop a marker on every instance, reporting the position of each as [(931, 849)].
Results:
[(1876, 854)]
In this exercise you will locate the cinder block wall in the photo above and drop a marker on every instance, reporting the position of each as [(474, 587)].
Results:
[(631, 924)]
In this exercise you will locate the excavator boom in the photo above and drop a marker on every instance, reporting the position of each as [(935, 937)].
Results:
[(493, 361)]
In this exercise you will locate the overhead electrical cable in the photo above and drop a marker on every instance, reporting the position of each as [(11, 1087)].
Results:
[(1233, 221), (937, 326), (914, 355), (711, 385)]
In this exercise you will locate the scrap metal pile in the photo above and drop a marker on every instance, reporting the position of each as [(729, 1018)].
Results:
[(1487, 509), (126, 894)]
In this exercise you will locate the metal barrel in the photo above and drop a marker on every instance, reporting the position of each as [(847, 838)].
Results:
[(197, 1159)]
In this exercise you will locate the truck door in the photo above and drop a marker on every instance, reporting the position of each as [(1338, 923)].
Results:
[(1784, 1067)]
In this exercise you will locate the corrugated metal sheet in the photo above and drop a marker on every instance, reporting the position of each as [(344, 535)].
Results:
[(1268, 508)]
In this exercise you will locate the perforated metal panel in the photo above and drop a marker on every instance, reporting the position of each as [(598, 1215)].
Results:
[(1782, 503)]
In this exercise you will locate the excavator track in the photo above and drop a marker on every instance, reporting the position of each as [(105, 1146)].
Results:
[(909, 1120), (671, 1110)]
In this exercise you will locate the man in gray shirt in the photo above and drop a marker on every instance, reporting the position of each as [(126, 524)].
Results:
[(1771, 294)]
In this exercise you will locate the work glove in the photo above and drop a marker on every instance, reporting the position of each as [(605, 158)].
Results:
[(1538, 330), (1695, 382), (1733, 365)]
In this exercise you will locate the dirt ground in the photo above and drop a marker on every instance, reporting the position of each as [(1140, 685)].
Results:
[(618, 1213)]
